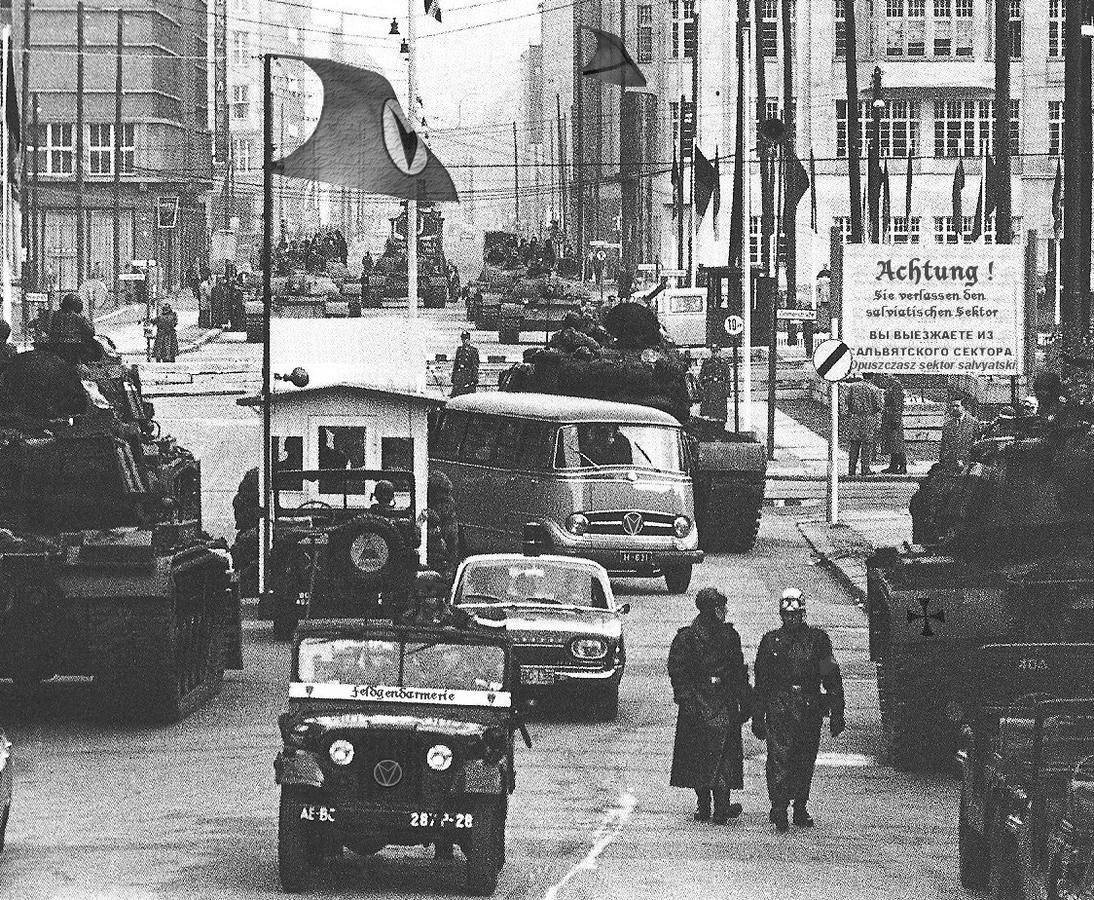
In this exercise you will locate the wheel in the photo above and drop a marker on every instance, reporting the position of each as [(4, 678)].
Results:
[(678, 578), (295, 847), (974, 861), (486, 849), (1004, 870), (4, 824), (606, 708)]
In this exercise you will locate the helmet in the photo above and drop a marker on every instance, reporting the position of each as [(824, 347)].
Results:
[(384, 492), (791, 602), (710, 598)]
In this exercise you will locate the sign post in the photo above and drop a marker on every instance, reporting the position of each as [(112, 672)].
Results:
[(833, 361), (735, 326)]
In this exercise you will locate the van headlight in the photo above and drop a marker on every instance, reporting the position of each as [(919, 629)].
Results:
[(681, 526), (439, 757), (341, 752), (577, 523), (589, 648)]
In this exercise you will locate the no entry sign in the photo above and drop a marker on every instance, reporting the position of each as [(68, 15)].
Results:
[(833, 360)]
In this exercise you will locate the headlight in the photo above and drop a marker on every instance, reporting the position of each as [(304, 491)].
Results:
[(681, 526), (439, 757), (589, 648), (341, 752), (577, 524)]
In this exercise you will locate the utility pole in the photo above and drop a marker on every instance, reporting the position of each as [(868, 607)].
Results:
[(36, 241), (79, 194), (579, 142), (1003, 223), (564, 212), (694, 136), (790, 213), (23, 170), (516, 181), (265, 473), (873, 165), (118, 162), (854, 176), (412, 203), (680, 189)]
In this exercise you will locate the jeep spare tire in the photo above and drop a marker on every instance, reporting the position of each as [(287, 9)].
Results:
[(369, 549)]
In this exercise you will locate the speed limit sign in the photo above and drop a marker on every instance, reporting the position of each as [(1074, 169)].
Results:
[(734, 326)]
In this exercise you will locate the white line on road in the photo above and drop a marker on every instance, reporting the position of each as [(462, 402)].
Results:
[(828, 759), (609, 830)]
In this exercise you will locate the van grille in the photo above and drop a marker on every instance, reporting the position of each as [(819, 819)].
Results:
[(650, 524)]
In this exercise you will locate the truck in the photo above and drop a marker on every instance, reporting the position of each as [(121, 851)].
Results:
[(105, 570)]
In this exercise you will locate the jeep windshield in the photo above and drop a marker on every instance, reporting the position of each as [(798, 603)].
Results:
[(383, 663), (513, 583)]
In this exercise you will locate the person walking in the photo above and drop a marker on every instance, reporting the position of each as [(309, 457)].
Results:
[(793, 662), (863, 417), (465, 367), (892, 424), (959, 433), (205, 302), (710, 685), (166, 346)]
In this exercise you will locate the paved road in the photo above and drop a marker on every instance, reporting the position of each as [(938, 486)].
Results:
[(189, 811)]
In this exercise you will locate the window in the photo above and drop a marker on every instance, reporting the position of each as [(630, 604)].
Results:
[(841, 28), (683, 28), (447, 435), (844, 225), (1055, 127), (478, 443), (241, 48), (899, 127), (1056, 29), (1015, 130), (59, 149), (900, 233), (397, 453), (769, 31), (754, 242), (342, 447), (645, 33), (241, 154), (241, 106), (962, 128), (288, 456), (101, 150), (944, 231), (1015, 28)]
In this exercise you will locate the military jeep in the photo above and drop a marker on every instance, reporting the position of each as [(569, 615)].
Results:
[(396, 734)]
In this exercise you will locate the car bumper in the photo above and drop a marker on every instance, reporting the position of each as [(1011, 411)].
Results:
[(392, 825), (570, 678), (644, 562)]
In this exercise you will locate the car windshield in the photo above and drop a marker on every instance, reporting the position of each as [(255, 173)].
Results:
[(599, 444), (531, 581), (378, 662)]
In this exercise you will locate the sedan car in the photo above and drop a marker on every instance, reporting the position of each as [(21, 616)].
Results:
[(5, 785), (560, 612)]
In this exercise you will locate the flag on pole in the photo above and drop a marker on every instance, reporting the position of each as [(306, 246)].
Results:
[(364, 141), (1058, 202), (433, 8), (677, 204), (886, 203), (958, 187), (611, 63), (717, 190), (797, 179), (908, 190), (812, 191), (704, 179), (978, 216)]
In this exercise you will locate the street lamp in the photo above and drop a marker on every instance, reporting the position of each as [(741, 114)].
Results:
[(394, 28), (404, 48)]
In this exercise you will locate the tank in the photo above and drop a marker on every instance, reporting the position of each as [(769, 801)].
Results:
[(388, 278), (627, 360), (1003, 552), (104, 568)]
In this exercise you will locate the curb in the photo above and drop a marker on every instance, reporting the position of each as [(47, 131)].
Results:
[(831, 558), (210, 335)]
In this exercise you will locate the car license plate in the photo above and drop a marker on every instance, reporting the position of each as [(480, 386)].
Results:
[(313, 813), (441, 820), (636, 558), (536, 675)]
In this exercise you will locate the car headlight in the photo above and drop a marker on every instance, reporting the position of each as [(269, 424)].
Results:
[(439, 757), (589, 648), (681, 526), (577, 523), (341, 752)]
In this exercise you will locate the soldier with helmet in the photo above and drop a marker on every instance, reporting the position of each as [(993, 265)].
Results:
[(793, 663), (710, 685)]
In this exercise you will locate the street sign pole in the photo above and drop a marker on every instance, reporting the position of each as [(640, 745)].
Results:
[(736, 385), (833, 443)]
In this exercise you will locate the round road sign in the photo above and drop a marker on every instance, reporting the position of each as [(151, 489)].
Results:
[(833, 360), (601, 255), (734, 325)]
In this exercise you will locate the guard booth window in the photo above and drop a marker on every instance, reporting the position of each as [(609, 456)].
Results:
[(341, 447), (288, 455)]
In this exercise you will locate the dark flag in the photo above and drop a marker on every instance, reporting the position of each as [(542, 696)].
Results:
[(717, 190), (11, 104), (611, 63), (1058, 202), (812, 191), (908, 190), (704, 182), (433, 8), (978, 216), (364, 141), (958, 187), (677, 181), (797, 180), (886, 203)]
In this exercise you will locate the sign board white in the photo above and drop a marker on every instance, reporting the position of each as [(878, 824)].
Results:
[(934, 309), (674, 273), (734, 326), (796, 315)]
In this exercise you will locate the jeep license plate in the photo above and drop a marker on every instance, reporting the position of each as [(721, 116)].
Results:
[(635, 558), (441, 820), (536, 675), (312, 813)]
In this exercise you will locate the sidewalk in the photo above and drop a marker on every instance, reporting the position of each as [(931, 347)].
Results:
[(843, 549), (125, 326)]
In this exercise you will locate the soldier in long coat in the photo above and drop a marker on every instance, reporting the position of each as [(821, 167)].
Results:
[(862, 421), (465, 367), (710, 685), (792, 664)]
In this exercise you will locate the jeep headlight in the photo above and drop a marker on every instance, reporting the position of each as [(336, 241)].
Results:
[(589, 648), (681, 526), (341, 752), (577, 524), (439, 757)]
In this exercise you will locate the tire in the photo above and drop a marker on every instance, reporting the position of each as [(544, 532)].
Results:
[(370, 550), (974, 860), (606, 708), (1004, 870), (678, 578), (729, 520), (4, 825), (486, 849), (295, 850)]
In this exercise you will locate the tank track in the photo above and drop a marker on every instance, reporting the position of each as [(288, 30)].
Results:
[(730, 519)]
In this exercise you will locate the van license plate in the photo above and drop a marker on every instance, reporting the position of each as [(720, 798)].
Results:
[(536, 675), (636, 558)]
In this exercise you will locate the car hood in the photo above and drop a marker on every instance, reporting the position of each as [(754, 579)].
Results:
[(566, 621)]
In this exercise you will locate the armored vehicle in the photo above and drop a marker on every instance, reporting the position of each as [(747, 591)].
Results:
[(104, 567), (1006, 555), (1022, 778), (396, 734), (636, 366), (388, 278)]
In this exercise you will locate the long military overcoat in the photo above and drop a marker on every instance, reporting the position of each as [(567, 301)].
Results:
[(710, 684)]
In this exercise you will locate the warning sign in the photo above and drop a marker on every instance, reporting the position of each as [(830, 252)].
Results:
[(934, 309)]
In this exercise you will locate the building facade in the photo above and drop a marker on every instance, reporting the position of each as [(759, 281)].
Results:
[(165, 159)]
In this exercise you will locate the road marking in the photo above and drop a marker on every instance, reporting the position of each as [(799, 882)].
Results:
[(831, 760), (609, 830)]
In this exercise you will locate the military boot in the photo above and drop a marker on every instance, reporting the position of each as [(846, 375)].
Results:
[(724, 811), (702, 808), (779, 820), (801, 815)]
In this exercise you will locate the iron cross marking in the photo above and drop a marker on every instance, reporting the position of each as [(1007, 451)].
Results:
[(925, 617)]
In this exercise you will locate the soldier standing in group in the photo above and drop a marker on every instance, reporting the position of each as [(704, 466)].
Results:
[(792, 663), (710, 684), (465, 367), (864, 404), (959, 432)]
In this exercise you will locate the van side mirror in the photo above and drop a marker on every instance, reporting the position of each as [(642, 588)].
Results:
[(624, 609)]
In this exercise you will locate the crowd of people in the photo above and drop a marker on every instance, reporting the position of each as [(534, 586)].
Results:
[(313, 254), (539, 257)]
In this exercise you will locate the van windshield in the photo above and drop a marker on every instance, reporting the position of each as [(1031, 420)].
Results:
[(595, 445)]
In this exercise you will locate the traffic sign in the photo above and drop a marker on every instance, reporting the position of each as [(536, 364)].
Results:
[(734, 326), (796, 315), (833, 360), (674, 273), (167, 213), (601, 255)]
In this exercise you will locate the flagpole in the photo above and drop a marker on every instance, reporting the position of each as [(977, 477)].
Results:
[(5, 272), (265, 471), (412, 203), (746, 232)]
